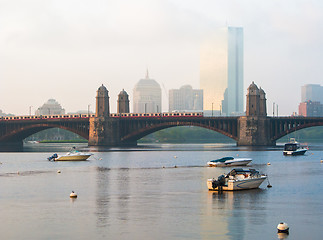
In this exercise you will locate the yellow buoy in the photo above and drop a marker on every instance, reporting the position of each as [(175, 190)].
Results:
[(73, 195), (321, 161), (268, 163)]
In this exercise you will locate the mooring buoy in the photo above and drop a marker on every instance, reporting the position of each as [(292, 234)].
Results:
[(283, 228), (268, 163), (58, 171), (73, 195)]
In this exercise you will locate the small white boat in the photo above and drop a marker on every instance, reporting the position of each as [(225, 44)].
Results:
[(73, 155), (229, 161), (237, 179), (294, 148)]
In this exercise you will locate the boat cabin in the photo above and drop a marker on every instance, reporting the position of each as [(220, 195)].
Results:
[(291, 146)]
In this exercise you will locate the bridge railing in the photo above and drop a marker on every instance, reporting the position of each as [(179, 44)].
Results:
[(114, 115), (41, 117)]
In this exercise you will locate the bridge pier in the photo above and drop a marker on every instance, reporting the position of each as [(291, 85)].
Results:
[(106, 132), (254, 131)]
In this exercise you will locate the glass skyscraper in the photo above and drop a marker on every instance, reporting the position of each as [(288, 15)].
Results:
[(312, 92), (221, 71)]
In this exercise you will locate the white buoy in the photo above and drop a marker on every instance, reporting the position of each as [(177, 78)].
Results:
[(282, 228), (58, 171), (73, 195), (268, 163)]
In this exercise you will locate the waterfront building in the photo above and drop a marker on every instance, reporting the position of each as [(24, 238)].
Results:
[(310, 109), (50, 107), (147, 96), (312, 92), (221, 71), (123, 102), (185, 99)]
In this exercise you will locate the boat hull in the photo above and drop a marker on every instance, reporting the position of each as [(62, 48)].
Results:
[(82, 157), (295, 153), (230, 163), (236, 185)]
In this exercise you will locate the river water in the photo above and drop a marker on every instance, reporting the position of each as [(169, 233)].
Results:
[(157, 192)]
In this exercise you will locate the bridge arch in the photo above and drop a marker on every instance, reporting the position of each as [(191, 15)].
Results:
[(293, 126), (142, 132), (18, 134)]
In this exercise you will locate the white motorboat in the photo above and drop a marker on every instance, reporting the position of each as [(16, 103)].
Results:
[(229, 161), (237, 179), (294, 148), (73, 155)]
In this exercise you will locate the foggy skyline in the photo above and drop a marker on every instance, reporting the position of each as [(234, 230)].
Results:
[(66, 49)]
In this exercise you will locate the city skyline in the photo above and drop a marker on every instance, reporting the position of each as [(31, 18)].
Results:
[(63, 51)]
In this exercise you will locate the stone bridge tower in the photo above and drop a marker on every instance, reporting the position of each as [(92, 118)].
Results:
[(254, 128), (123, 102), (104, 130)]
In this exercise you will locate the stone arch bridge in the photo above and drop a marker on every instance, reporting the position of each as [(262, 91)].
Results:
[(122, 131)]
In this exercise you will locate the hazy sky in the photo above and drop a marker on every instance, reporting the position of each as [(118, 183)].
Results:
[(65, 49)]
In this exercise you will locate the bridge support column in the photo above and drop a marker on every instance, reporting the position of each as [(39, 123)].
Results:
[(254, 131), (105, 131)]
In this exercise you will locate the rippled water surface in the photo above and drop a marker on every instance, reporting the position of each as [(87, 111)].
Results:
[(157, 192)]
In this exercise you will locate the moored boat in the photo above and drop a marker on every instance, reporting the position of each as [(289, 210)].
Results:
[(229, 161), (237, 179), (73, 155), (294, 148)]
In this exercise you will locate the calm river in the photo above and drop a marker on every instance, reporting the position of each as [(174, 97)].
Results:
[(138, 193)]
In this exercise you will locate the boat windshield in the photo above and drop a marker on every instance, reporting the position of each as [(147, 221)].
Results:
[(236, 171), (290, 147), (222, 159)]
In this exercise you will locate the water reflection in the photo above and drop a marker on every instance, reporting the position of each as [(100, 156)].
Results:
[(282, 235), (233, 211), (102, 196)]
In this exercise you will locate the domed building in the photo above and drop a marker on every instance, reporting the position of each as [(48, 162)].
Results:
[(147, 96), (50, 107)]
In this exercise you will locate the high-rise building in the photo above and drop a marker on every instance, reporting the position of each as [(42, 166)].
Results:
[(310, 109), (221, 71), (50, 107), (147, 96), (185, 99), (312, 92)]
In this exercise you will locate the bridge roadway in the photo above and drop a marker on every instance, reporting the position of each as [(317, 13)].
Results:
[(131, 128)]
